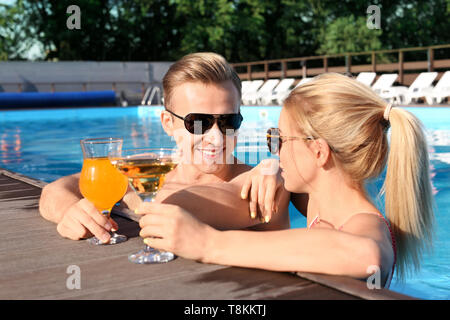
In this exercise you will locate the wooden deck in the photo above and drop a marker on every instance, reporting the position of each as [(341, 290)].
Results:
[(34, 261)]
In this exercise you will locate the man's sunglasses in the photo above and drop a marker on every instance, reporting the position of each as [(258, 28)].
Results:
[(199, 123), (275, 140)]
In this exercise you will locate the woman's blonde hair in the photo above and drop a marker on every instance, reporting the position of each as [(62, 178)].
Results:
[(205, 67), (350, 117)]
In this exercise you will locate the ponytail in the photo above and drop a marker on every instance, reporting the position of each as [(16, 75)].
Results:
[(408, 191)]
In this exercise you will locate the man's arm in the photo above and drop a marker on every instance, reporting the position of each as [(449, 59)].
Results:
[(58, 196), (220, 205)]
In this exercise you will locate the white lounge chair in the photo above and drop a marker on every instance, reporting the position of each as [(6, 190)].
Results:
[(250, 90), (279, 93), (266, 89), (303, 81), (440, 91), (384, 82), (405, 95), (245, 85), (366, 78)]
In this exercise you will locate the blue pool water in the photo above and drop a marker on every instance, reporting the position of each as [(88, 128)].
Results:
[(44, 144)]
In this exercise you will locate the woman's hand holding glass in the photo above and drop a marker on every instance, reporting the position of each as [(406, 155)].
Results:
[(170, 228)]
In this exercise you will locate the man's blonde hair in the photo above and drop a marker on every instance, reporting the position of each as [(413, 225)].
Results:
[(205, 67), (350, 117)]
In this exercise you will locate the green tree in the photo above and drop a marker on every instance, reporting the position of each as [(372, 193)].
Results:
[(349, 34), (110, 30), (241, 30)]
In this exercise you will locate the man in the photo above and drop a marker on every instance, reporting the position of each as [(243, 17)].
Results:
[(202, 96)]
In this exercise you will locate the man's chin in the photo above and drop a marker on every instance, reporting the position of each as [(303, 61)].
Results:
[(210, 168)]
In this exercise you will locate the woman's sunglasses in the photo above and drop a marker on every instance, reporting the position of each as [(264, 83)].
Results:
[(275, 140), (199, 123)]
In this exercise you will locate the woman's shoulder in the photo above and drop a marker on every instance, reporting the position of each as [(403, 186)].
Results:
[(364, 222), (370, 225)]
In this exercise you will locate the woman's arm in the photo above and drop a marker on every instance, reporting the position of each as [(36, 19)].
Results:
[(320, 250)]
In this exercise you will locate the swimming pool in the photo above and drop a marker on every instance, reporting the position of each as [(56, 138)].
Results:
[(44, 144)]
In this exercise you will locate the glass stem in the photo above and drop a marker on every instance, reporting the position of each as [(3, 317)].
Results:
[(106, 214)]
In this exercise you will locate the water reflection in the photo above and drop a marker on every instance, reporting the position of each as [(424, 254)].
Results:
[(11, 146)]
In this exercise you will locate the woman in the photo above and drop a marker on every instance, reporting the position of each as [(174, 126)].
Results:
[(332, 139)]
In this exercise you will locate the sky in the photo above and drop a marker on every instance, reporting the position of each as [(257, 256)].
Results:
[(36, 51), (8, 2)]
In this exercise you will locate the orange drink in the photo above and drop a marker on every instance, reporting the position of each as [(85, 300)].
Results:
[(101, 183)]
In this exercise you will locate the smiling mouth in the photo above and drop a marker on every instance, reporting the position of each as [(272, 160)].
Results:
[(211, 152)]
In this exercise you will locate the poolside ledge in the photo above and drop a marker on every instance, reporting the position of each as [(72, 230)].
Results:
[(35, 263)]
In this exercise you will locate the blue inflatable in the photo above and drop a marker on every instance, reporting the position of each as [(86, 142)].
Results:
[(56, 99)]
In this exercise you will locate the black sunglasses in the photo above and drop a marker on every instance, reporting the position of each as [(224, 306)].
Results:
[(275, 140), (199, 123)]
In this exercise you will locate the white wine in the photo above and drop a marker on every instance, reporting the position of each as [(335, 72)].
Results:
[(146, 175)]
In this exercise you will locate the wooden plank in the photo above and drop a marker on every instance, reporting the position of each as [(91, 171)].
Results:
[(14, 194), (294, 73), (316, 71), (430, 57), (221, 284), (7, 186), (362, 68), (275, 74), (387, 67), (442, 63), (353, 287), (400, 66), (97, 275), (14, 176), (337, 69), (416, 65)]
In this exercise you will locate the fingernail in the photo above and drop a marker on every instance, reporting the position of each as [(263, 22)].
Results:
[(113, 229), (135, 211), (105, 238), (266, 219), (253, 215), (146, 241), (243, 195)]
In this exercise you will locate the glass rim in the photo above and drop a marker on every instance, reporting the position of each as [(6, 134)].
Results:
[(149, 148), (147, 152), (100, 140)]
